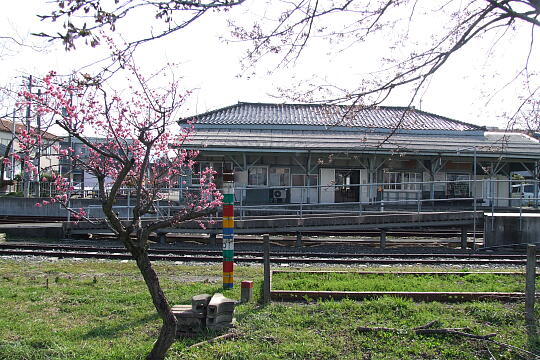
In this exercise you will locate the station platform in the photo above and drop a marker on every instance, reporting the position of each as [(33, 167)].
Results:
[(312, 223), (48, 230)]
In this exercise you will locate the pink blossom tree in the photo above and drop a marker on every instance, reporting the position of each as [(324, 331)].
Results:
[(130, 144)]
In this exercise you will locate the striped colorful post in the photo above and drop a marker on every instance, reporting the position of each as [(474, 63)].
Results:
[(228, 231)]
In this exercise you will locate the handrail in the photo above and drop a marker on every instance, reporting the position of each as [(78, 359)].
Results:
[(494, 193)]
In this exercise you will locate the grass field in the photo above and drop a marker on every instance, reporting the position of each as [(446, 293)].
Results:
[(101, 310), (397, 282)]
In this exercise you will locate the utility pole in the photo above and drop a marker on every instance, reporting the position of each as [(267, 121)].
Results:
[(25, 175), (474, 197), (38, 150), (12, 151)]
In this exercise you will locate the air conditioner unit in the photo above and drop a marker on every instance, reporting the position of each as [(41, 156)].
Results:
[(279, 193)]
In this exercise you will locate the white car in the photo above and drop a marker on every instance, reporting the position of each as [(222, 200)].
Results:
[(525, 192)]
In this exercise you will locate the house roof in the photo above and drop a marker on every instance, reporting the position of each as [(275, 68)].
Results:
[(336, 116), (7, 126)]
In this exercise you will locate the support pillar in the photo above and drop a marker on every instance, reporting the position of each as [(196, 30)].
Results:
[(298, 239), (266, 270), (383, 239), (212, 239), (228, 231), (530, 289), (530, 293), (162, 238)]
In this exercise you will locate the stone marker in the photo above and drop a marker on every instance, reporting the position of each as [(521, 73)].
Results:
[(205, 312), (246, 291)]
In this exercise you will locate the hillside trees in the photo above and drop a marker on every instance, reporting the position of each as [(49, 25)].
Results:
[(129, 144)]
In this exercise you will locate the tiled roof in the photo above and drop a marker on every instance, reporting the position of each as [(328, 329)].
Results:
[(7, 126), (380, 117)]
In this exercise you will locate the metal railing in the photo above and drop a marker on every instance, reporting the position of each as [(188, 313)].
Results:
[(418, 196)]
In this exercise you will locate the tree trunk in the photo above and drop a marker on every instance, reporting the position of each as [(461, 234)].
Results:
[(167, 334)]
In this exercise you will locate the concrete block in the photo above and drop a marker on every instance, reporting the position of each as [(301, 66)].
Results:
[(199, 303), (205, 312), (189, 321), (221, 318), (180, 308), (222, 325), (185, 314), (220, 304)]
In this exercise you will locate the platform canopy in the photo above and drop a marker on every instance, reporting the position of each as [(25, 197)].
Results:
[(352, 129)]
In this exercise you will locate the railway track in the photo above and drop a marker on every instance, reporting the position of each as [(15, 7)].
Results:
[(318, 236), (394, 239), (183, 255)]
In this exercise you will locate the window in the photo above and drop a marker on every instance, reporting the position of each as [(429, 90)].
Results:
[(47, 149), (392, 180), (411, 181), (302, 180), (280, 176), (4, 142), (218, 166), (402, 180), (298, 179), (258, 176)]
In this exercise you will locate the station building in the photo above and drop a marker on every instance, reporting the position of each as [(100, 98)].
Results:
[(326, 154)]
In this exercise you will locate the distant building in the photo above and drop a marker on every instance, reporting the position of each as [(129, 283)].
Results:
[(352, 154), (84, 181), (44, 158)]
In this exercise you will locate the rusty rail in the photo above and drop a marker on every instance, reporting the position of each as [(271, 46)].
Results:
[(296, 295)]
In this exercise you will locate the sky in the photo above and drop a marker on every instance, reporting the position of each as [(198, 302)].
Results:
[(210, 67)]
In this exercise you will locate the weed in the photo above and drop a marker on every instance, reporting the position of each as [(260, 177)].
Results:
[(113, 318)]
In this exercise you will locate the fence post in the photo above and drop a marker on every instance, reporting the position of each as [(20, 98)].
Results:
[(267, 277), (242, 190), (360, 199), (530, 284), (463, 237), (301, 200)]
